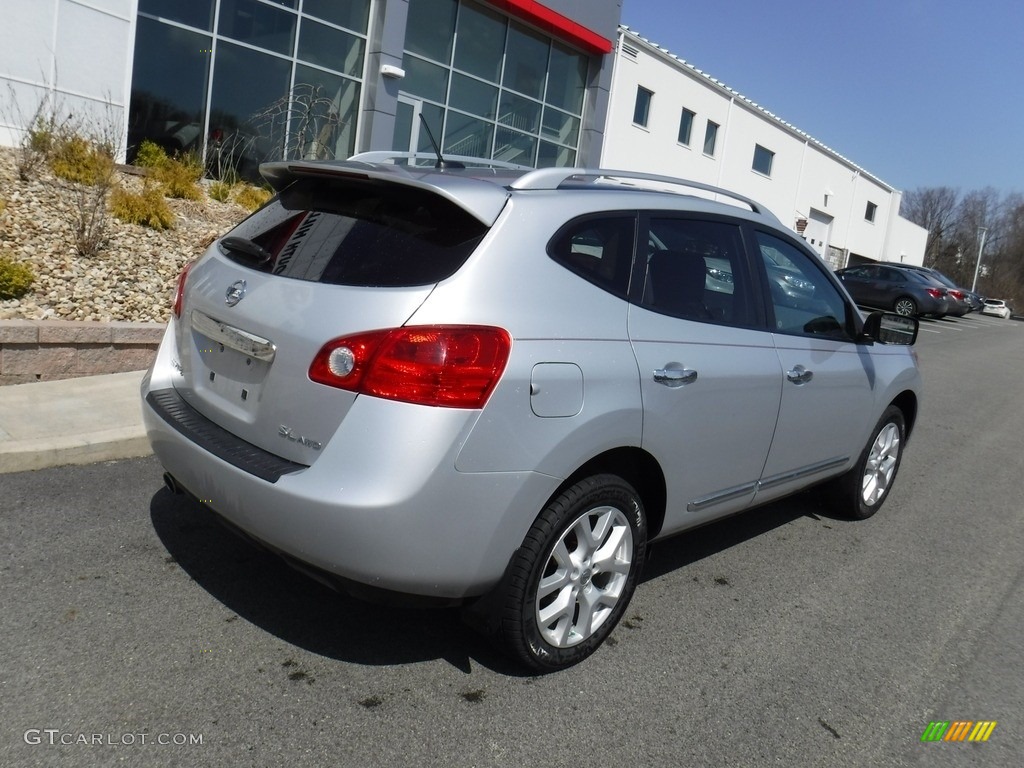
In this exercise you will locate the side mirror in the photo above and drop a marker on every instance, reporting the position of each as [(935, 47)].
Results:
[(890, 328)]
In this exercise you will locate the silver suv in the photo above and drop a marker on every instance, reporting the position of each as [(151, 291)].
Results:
[(495, 388)]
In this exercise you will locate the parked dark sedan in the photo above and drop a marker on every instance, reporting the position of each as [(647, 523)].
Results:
[(902, 290), (961, 301)]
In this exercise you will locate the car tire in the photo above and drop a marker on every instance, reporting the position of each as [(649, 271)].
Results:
[(573, 577), (905, 306), (862, 490)]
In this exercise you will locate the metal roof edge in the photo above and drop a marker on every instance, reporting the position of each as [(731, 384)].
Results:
[(688, 68)]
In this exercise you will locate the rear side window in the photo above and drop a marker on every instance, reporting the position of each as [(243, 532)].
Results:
[(354, 232), (598, 249)]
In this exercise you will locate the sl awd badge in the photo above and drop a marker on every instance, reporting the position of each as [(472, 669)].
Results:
[(235, 293)]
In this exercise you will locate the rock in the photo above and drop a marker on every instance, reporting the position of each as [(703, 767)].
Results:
[(131, 279)]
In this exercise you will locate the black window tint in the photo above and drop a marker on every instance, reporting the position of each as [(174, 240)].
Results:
[(694, 271), (804, 300), (891, 275), (348, 232), (598, 249)]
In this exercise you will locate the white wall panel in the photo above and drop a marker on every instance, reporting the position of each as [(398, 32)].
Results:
[(805, 174)]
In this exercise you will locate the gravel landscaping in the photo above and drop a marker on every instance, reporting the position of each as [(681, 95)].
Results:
[(133, 276)]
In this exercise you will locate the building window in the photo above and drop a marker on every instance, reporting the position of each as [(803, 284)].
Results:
[(763, 160), (710, 139), (686, 126), (488, 87), (869, 212), (267, 82), (642, 108)]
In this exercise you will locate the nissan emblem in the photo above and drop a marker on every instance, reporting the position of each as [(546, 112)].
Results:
[(235, 293)]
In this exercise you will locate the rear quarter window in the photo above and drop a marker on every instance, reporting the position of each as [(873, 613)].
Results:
[(599, 249), (360, 233)]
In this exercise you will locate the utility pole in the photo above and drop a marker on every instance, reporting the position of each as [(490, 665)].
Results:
[(977, 267)]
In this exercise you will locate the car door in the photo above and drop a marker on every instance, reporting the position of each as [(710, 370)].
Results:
[(863, 284), (710, 379), (827, 398)]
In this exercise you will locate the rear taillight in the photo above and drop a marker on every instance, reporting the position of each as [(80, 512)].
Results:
[(958, 295), (179, 289), (935, 293), (456, 366)]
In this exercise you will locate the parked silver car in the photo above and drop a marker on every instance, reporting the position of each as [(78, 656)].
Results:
[(496, 387)]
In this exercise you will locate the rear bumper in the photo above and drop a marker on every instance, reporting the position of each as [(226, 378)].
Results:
[(383, 505)]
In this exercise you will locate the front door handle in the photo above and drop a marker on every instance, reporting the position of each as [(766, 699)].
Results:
[(799, 375), (675, 377)]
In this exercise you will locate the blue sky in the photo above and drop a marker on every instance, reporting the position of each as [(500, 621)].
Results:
[(921, 93)]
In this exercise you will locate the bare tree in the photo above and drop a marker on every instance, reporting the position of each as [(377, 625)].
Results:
[(935, 209), (304, 122), (954, 225)]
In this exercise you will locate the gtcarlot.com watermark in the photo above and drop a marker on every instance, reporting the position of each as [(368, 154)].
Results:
[(54, 737)]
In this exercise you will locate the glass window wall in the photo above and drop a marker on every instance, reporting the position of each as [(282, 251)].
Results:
[(194, 13), (259, 24), (490, 86), (331, 48), (169, 110), (279, 78)]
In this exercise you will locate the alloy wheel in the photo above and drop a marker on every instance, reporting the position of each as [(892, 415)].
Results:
[(584, 576), (881, 464)]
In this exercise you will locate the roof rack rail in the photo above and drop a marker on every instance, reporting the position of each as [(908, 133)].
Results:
[(553, 178), (387, 155)]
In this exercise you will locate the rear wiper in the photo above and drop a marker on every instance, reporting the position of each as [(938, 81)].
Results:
[(246, 247)]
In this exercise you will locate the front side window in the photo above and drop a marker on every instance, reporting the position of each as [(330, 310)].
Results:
[(803, 299), (695, 271), (861, 273), (763, 160), (710, 138), (686, 126), (642, 108)]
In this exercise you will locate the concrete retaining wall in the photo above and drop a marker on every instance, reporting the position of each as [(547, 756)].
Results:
[(45, 350)]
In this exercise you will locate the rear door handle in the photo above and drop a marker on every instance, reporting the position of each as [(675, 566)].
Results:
[(799, 375), (675, 377)]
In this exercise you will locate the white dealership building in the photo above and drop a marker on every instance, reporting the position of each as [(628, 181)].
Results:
[(536, 83), (668, 117)]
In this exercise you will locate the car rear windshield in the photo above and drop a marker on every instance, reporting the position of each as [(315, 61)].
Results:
[(355, 232)]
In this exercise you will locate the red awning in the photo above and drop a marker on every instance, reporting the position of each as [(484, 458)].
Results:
[(556, 24)]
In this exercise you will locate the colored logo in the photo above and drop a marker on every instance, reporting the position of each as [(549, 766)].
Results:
[(958, 730)]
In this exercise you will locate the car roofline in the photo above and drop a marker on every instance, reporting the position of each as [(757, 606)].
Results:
[(467, 187), (580, 178)]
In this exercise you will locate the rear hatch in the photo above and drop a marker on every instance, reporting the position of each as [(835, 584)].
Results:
[(339, 251)]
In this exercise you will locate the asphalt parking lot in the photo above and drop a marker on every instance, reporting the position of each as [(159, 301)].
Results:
[(136, 630)]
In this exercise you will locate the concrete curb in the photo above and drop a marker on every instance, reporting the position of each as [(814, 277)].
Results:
[(29, 455), (71, 421)]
